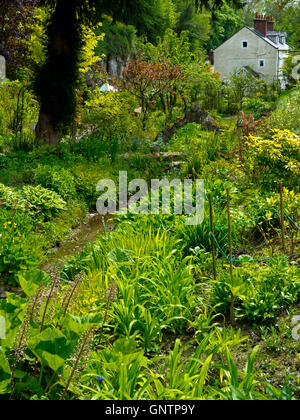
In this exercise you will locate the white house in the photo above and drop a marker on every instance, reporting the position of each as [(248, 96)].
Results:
[(260, 48)]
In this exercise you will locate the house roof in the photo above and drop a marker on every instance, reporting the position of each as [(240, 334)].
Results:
[(276, 33), (265, 38), (281, 47)]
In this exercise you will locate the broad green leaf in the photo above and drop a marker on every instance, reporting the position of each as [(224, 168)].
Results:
[(125, 346), (119, 256), (88, 320), (5, 374), (31, 281), (51, 347), (79, 325)]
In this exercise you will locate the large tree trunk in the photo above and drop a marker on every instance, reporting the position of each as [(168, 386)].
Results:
[(45, 131), (56, 80)]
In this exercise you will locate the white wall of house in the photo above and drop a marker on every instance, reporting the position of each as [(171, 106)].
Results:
[(233, 55)]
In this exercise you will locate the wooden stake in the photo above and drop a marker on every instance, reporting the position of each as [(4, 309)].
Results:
[(282, 218), (212, 237), (230, 256)]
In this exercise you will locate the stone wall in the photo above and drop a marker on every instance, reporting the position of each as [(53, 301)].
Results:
[(2, 68), (115, 65)]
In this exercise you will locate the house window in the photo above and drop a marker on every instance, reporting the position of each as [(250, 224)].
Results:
[(244, 44), (261, 63)]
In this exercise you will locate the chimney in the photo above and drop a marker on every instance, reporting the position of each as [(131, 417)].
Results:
[(261, 24), (270, 24)]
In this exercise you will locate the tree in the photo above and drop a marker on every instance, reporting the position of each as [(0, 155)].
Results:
[(177, 50), (57, 78), (214, 5), (195, 21), (152, 81), (119, 41), (286, 15), (150, 17), (227, 22), (243, 84), (16, 25)]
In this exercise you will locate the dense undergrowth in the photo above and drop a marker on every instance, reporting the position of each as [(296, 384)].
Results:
[(138, 314)]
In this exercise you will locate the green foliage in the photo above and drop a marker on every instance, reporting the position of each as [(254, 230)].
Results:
[(176, 50), (18, 113), (227, 21), (21, 247), (195, 22), (91, 147), (86, 179), (243, 84), (124, 371), (203, 148), (151, 18), (257, 107), (136, 314), (245, 389), (260, 295), (287, 114), (109, 116), (278, 155), (119, 39), (56, 179), (9, 197), (31, 281), (43, 201)]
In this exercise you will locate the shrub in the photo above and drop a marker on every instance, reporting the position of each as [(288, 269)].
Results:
[(21, 248), (56, 179), (15, 130), (10, 198), (87, 176), (277, 157), (260, 294), (258, 107), (42, 201), (110, 115), (287, 116), (91, 147)]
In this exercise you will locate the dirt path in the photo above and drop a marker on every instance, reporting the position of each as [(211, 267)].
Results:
[(92, 226)]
